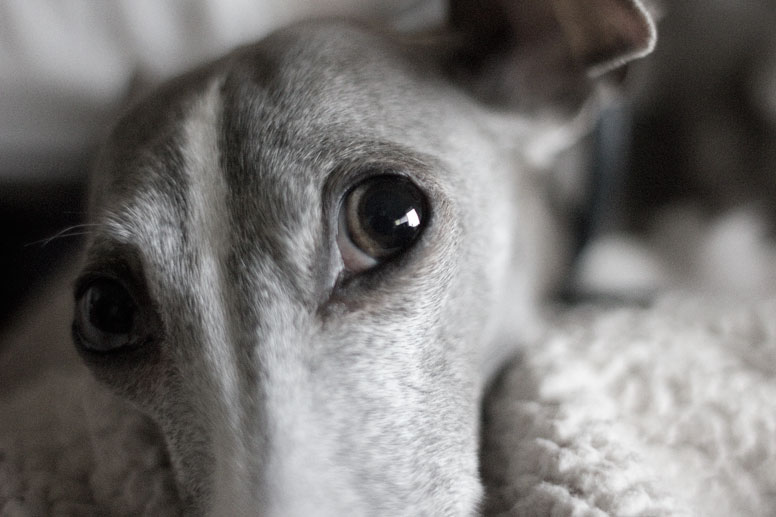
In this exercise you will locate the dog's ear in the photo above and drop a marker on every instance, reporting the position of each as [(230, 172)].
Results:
[(533, 54)]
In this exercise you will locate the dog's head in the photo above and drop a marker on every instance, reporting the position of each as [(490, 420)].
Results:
[(307, 252)]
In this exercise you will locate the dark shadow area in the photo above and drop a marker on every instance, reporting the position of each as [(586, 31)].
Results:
[(31, 215)]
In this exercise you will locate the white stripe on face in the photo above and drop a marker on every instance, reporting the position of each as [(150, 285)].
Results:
[(210, 229)]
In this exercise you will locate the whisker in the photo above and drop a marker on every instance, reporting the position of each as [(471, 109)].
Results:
[(70, 231), (49, 240)]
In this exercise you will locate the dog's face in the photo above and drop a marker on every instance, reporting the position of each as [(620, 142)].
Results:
[(303, 259)]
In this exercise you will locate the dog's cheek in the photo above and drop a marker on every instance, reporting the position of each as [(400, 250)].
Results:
[(395, 391)]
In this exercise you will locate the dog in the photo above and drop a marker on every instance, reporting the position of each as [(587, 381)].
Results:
[(306, 259)]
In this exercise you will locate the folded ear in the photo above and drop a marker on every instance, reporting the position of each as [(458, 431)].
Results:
[(605, 34), (532, 54)]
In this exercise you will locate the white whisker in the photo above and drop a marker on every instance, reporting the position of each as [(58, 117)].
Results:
[(70, 231)]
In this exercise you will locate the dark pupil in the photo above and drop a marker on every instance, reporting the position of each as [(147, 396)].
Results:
[(110, 308), (391, 213)]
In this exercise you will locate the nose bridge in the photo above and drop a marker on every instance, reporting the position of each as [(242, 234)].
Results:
[(298, 473), (310, 425), (263, 438), (272, 450), (241, 334)]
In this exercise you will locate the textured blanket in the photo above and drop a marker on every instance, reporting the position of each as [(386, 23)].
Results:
[(665, 410)]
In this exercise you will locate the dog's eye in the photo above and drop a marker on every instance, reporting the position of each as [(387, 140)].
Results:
[(380, 217), (105, 316)]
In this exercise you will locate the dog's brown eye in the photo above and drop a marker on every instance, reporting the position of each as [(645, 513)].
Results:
[(105, 316), (381, 217)]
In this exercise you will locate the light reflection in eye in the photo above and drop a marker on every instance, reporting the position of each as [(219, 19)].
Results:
[(411, 218)]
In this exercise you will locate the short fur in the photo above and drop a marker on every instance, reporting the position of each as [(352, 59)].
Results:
[(281, 385)]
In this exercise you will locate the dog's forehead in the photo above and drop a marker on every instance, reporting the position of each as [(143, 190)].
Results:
[(318, 87), (285, 110), (320, 92)]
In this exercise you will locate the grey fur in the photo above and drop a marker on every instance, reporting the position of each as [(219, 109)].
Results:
[(281, 386)]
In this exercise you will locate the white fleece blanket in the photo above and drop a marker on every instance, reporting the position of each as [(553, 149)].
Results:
[(667, 410)]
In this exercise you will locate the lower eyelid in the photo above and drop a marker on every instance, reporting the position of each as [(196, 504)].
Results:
[(353, 259)]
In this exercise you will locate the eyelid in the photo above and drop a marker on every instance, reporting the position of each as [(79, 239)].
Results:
[(89, 277), (353, 258), (108, 259)]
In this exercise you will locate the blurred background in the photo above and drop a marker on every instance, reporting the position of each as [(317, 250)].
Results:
[(685, 167), (689, 200)]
